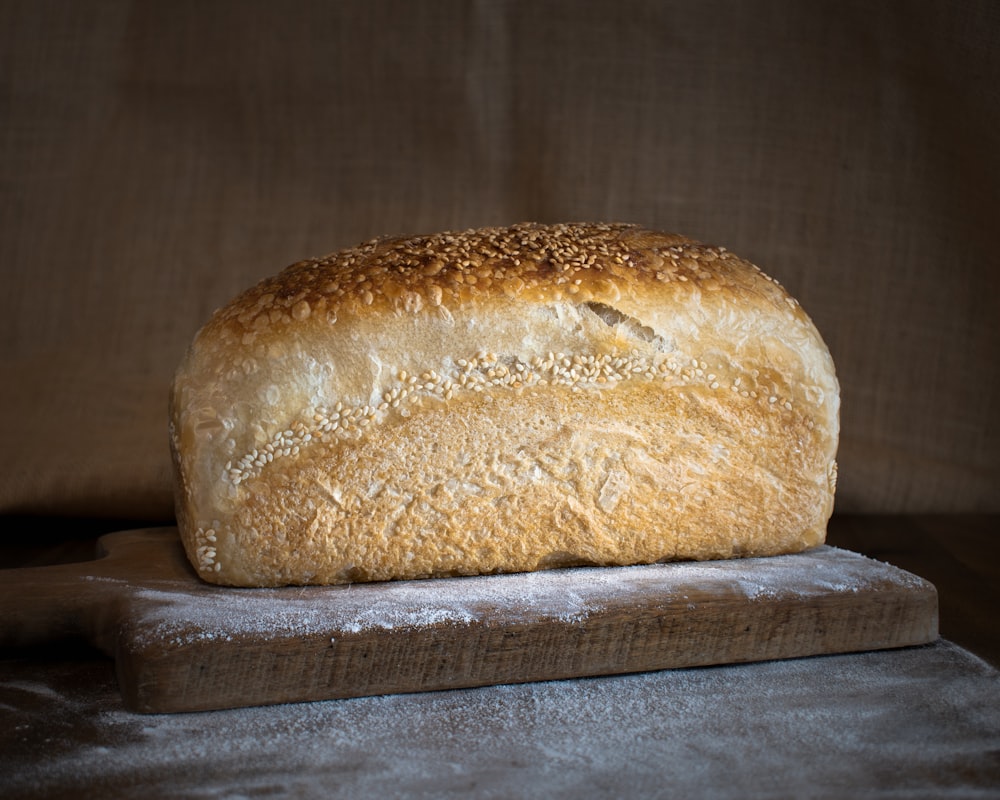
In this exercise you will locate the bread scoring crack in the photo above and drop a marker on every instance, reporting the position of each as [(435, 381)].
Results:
[(612, 317)]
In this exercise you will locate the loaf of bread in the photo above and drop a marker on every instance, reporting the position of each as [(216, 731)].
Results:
[(501, 400)]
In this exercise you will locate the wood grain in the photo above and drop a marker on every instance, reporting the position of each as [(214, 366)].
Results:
[(182, 645)]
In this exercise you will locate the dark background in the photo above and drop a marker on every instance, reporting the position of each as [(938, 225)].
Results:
[(157, 158)]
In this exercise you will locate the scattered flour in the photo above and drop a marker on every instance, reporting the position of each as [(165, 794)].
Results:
[(183, 613), (920, 722)]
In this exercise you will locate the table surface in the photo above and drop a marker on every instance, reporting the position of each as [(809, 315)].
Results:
[(915, 722)]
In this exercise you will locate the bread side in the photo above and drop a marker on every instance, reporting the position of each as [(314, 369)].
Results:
[(502, 400)]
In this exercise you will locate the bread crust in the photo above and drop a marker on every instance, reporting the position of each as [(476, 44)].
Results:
[(502, 399)]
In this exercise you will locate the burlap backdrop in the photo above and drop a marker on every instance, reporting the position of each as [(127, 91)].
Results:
[(156, 158)]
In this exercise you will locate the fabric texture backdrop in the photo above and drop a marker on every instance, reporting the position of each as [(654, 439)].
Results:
[(157, 158)]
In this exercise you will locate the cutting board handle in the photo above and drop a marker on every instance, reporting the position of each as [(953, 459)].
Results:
[(41, 605)]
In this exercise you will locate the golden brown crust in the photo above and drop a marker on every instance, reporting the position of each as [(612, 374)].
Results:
[(586, 262), (503, 399)]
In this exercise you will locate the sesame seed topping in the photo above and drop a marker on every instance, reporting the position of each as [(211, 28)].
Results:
[(424, 273), (205, 550)]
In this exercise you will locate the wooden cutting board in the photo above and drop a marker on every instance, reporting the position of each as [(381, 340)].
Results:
[(182, 645)]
